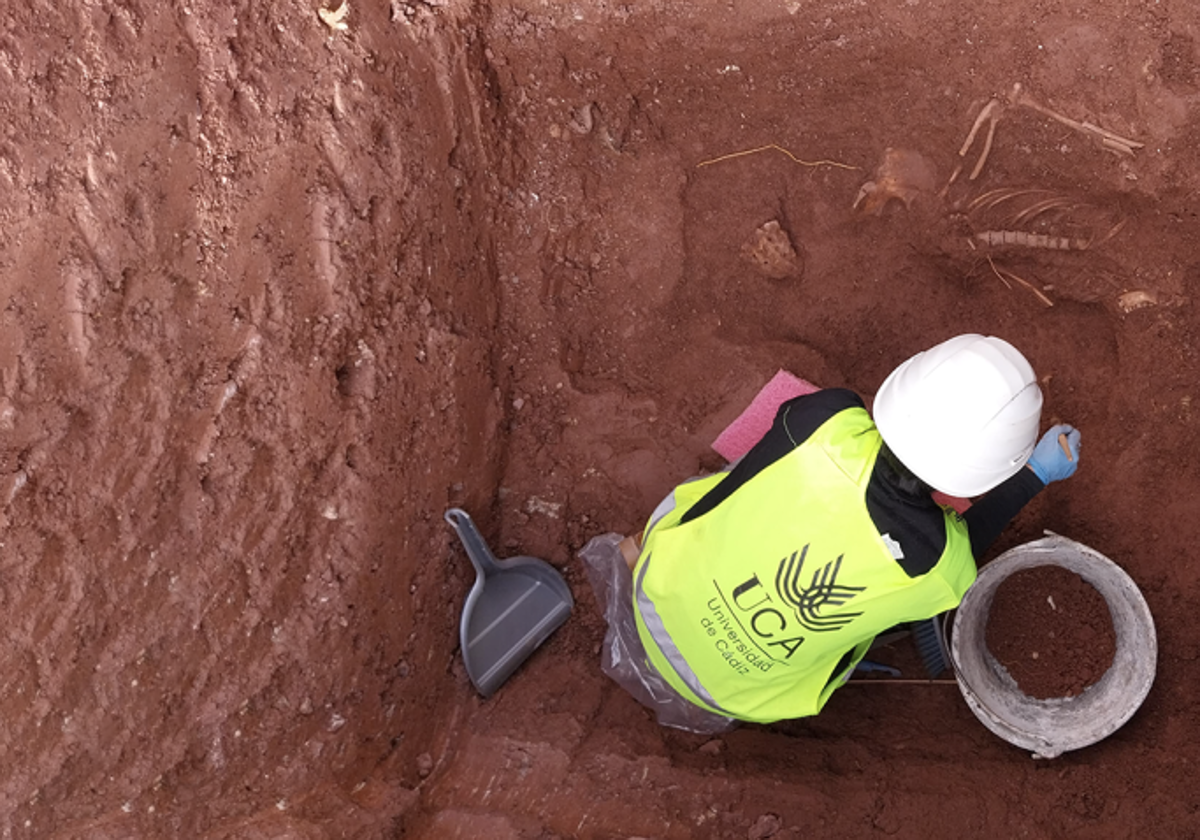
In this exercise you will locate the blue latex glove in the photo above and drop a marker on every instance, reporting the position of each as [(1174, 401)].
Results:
[(1048, 461)]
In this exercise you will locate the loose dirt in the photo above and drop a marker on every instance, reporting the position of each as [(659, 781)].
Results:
[(275, 294), (1052, 632)]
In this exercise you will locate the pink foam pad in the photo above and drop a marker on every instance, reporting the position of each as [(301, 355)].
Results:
[(749, 427), (753, 423)]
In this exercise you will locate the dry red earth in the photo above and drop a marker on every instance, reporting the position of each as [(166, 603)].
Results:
[(275, 295), (1052, 632)]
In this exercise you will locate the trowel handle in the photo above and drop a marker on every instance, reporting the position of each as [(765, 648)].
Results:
[(477, 549)]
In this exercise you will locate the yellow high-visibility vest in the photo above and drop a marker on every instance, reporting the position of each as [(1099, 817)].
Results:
[(749, 609)]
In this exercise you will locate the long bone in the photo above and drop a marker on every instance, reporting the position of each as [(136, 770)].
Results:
[(1017, 97)]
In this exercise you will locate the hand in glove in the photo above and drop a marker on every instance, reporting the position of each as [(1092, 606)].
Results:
[(1049, 461)]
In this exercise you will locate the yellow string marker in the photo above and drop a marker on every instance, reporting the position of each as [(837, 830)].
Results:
[(770, 147)]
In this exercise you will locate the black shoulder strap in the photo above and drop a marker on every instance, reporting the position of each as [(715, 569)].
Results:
[(795, 422)]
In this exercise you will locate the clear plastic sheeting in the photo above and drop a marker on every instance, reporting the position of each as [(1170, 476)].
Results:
[(624, 657)]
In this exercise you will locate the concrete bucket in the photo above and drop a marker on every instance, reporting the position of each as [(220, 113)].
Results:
[(1054, 726)]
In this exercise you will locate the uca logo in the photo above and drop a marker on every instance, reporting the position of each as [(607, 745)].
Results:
[(814, 603), (765, 618)]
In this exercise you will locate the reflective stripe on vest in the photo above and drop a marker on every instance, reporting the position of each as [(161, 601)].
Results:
[(679, 665), (749, 609)]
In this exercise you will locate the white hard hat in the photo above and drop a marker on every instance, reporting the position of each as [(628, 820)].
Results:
[(963, 416)]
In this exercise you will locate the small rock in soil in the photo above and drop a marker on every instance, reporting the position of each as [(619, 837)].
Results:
[(767, 825), (770, 250)]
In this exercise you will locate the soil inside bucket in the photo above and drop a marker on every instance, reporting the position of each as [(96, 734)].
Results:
[(1052, 631)]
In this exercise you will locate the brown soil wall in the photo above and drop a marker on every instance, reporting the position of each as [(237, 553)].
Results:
[(249, 308)]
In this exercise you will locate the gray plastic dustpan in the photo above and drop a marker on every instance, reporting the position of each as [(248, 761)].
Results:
[(513, 607)]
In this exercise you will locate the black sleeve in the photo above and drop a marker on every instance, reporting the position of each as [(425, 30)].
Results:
[(795, 422), (988, 517)]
